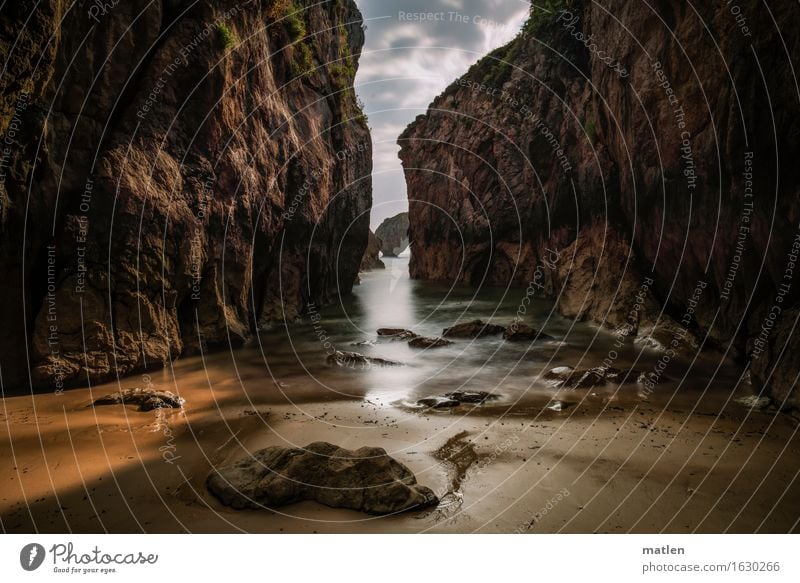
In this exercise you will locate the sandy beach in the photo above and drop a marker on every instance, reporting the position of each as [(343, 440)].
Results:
[(600, 465)]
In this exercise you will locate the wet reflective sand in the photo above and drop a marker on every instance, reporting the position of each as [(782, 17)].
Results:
[(687, 456)]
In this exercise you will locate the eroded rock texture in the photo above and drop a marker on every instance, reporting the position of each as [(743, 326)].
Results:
[(393, 233), (146, 399), (365, 479), (651, 187), (372, 254), (170, 163)]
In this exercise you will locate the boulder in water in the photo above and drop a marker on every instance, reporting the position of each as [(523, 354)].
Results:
[(470, 396), (349, 359), (396, 333), (473, 329), (584, 379), (520, 331), (438, 402), (559, 373), (426, 342)]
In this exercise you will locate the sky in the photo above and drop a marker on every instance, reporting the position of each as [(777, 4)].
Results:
[(414, 49)]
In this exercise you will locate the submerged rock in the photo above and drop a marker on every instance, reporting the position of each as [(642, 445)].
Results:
[(456, 398), (145, 398), (438, 402), (426, 342), (349, 359), (473, 329), (366, 479), (570, 378), (470, 396), (519, 331), (585, 379), (559, 405), (396, 333), (559, 373)]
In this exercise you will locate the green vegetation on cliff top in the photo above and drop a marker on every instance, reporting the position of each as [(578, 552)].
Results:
[(495, 69)]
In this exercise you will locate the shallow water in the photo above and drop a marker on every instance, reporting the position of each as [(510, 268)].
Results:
[(289, 361), (628, 458)]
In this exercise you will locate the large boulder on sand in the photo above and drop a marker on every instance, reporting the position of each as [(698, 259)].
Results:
[(366, 479), (146, 399)]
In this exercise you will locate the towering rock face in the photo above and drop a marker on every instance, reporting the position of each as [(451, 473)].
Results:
[(393, 232), (173, 177), (635, 162)]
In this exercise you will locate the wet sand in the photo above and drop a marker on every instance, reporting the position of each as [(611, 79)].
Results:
[(606, 463)]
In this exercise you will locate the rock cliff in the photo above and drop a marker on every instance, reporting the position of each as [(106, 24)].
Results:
[(634, 161), (393, 232), (175, 174), (372, 254)]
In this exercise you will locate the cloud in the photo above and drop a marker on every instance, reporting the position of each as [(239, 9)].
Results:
[(414, 49)]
